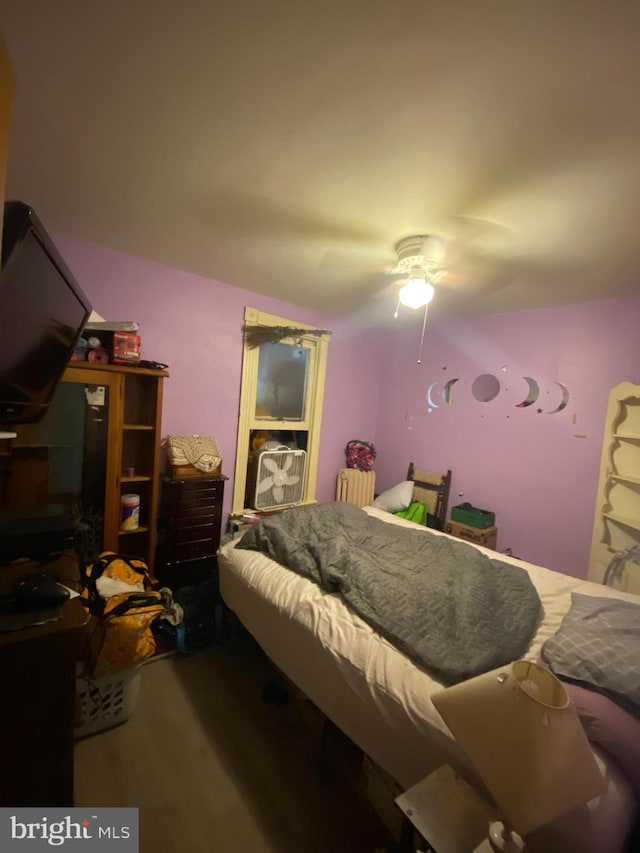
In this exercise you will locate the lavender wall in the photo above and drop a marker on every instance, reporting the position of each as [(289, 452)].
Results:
[(537, 471), (194, 325)]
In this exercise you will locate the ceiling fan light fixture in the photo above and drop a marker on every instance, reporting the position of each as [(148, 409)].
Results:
[(416, 292), (426, 253)]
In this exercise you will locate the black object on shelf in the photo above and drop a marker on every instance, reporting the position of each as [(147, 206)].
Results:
[(42, 537), (152, 365)]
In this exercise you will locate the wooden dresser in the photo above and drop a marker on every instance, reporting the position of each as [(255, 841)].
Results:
[(190, 520), (38, 668)]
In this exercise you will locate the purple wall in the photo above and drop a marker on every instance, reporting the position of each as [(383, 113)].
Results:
[(537, 471), (194, 325)]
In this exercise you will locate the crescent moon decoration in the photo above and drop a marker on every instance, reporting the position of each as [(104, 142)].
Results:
[(430, 402), (446, 391), (532, 396), (565, 399)]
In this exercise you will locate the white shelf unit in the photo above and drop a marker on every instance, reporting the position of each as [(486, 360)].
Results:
[(616, 525)]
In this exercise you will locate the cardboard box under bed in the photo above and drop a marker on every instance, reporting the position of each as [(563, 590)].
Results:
[(488, 537)]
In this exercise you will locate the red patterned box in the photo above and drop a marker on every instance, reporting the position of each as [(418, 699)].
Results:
[(125, 348)]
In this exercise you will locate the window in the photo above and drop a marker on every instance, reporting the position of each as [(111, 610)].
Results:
[(280, 402)]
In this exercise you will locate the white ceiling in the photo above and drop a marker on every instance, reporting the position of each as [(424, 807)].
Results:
[(285, 146)]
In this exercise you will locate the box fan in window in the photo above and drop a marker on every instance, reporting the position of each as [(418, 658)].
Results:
[(277, 477)]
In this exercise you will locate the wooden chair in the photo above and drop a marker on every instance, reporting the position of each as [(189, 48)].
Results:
[(431, 489)]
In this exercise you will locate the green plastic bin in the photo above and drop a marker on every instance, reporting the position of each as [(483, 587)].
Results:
[(473, 516)]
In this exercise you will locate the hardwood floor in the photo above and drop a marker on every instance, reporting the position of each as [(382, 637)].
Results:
[(213, 768)]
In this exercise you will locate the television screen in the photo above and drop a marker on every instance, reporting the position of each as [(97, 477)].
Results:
[(43, 312)]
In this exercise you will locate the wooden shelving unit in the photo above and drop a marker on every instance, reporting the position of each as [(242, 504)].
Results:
[(134, 414)]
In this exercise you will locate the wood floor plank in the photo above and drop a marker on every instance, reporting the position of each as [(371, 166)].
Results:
[(213, 768)]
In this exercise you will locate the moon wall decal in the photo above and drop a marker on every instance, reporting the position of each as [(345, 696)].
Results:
[(430, 402), (446, 391), (485, 388), (565, 399), (532, 396)]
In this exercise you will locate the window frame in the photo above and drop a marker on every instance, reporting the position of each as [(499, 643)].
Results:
[(247, 419)]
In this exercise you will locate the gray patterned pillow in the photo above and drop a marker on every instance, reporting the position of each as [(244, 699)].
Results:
[(598, 645)]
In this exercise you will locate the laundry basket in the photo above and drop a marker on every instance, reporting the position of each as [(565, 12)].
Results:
[(106, 701)]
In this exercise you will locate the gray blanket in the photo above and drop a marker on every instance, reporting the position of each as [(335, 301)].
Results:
[(598, 645), (449, 607)]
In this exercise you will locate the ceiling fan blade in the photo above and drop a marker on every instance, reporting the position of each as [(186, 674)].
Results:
[(259, 216), (448, 278), (355, 261), (472, 280), (399, 282), (466, 239)]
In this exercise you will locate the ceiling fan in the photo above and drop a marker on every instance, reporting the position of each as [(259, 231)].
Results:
[(467, 259), (461, 258), (421, 260), (467, 256)]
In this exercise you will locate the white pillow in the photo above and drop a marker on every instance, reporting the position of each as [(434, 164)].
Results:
[(399, 497)]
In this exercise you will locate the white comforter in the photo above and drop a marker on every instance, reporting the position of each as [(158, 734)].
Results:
[(377, 696)]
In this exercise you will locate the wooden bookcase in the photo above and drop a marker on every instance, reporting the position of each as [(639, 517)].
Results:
[(7, 87), (132, 459)]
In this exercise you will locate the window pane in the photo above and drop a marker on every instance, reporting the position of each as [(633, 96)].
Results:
[(282, 381)]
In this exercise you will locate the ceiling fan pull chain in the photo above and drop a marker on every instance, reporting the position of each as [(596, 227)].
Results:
[(395, 316), (424, 324)]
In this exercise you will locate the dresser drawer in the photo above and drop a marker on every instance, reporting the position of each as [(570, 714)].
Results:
[(196, 511), (196, 533), (195, 501), (195, 550), (188, 487), (196, 517)]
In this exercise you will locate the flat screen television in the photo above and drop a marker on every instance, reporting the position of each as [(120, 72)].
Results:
[(43, 312)]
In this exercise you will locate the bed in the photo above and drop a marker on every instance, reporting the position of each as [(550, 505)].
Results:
[(380, 698)]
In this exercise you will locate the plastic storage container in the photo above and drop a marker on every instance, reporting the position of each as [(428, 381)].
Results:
[(130, 512), (473, 516), (106, 701)]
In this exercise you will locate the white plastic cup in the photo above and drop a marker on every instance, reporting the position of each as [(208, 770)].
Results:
[(129, 512)]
